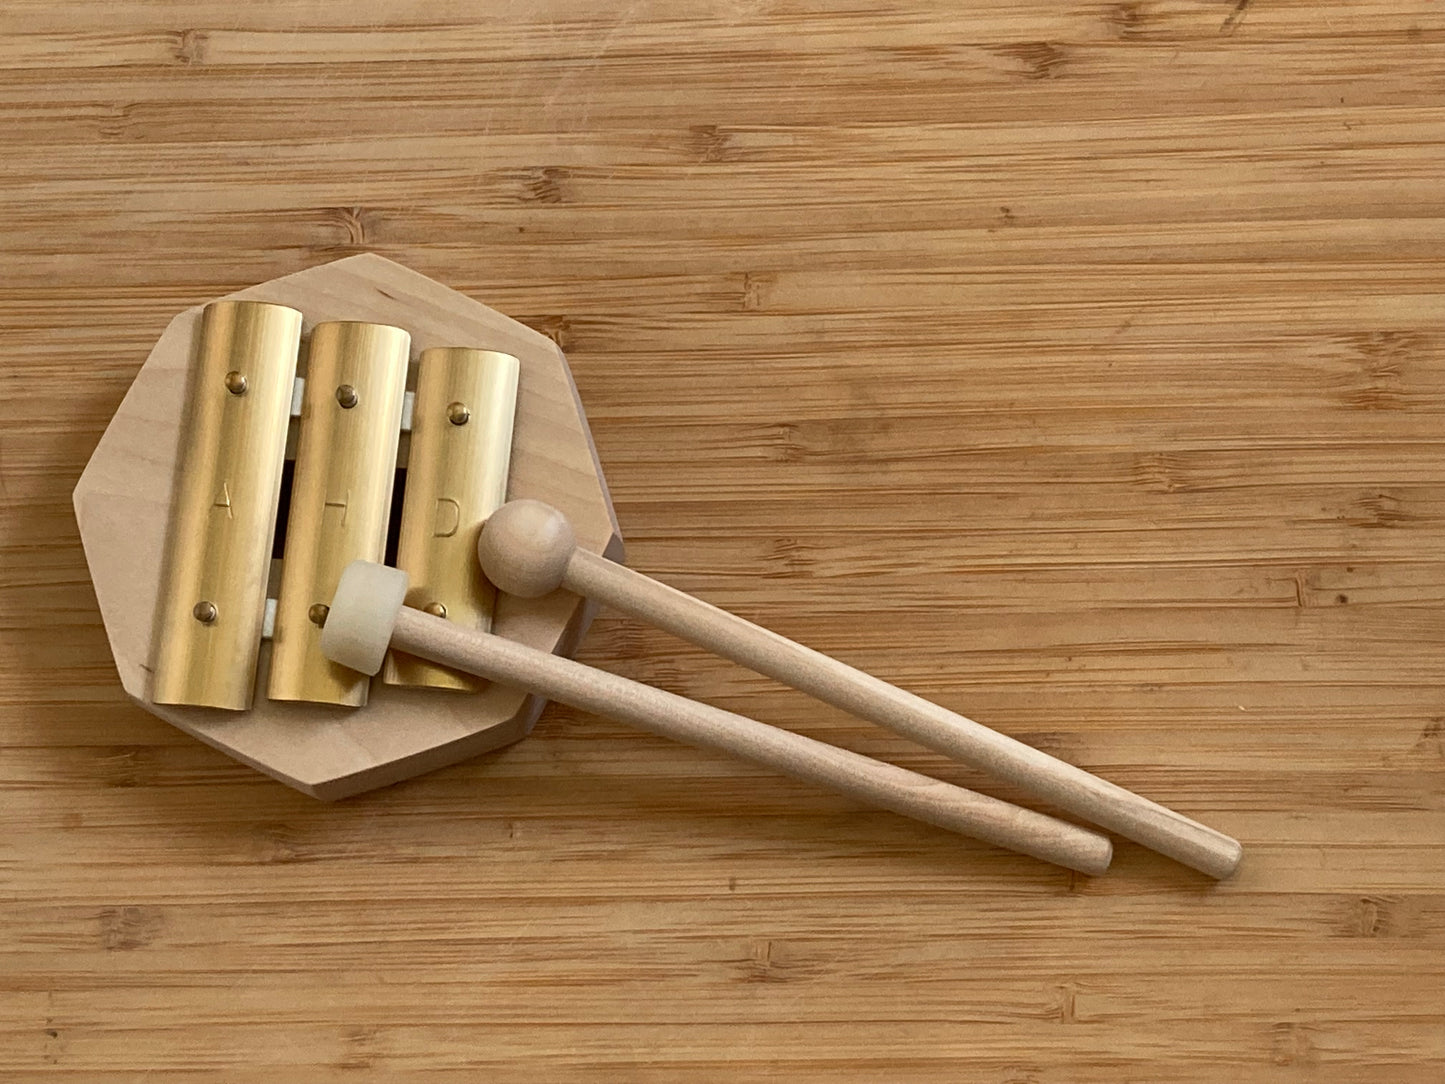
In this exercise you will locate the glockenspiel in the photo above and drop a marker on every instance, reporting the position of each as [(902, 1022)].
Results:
[(283, 446), (144, 496)]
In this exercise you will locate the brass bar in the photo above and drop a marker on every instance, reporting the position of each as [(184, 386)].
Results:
[(461, 447), (340, 497), (223, 516)]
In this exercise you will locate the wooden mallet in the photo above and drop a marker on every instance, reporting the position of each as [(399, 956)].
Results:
[(527, 548), (367, 617)]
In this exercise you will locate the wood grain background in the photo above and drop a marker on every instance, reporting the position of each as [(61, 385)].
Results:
[(1079, 365)]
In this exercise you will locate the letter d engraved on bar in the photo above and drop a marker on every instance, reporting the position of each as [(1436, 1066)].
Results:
[(461, 446)]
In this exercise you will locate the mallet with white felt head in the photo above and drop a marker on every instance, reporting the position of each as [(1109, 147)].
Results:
[(367, 617), (527, 549)]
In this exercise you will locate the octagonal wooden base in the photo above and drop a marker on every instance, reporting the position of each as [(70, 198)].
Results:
[(122, 503)]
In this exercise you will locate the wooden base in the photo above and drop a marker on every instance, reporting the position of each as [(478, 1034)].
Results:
[(123, 499)]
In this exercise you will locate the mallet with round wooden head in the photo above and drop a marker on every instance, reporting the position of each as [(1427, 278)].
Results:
[(527, 549), (367, 617)]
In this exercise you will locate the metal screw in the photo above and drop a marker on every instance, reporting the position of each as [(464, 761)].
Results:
[(236, 382), (458, 414), (318, 613), (436, 609), (346, 396), (204, 612)]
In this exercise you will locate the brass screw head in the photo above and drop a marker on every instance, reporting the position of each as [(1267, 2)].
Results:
[(436, 609), (236, 382), (459, 413), (204, 612), (317, 614), (346, 396)]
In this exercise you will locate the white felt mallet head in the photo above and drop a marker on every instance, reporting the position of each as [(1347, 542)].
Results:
[(363, 613)]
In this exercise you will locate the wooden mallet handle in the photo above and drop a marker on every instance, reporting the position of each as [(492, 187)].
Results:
[(367, 616), (527, 548)]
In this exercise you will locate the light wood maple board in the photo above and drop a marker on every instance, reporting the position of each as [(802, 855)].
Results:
[(1079, 366)]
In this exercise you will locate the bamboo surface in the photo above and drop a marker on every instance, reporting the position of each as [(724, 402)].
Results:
[(1077, 366)]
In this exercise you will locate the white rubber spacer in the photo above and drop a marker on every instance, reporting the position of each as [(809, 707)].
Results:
[(363, 613)]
